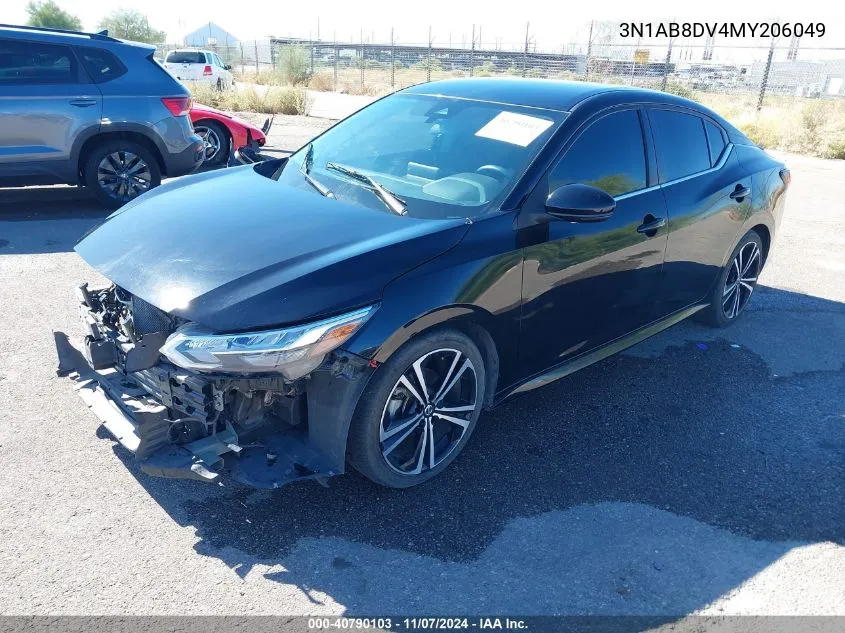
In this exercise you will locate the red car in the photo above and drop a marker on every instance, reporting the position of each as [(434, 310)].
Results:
[(222, 133)]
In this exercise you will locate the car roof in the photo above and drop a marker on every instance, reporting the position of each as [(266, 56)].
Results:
[(563, 96), (549, 94), (59, 36)]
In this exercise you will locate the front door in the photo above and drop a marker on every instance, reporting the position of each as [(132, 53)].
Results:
[(585, 284), (46, 100)]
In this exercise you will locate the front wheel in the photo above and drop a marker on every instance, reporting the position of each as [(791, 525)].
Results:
[(215, 141), (419, 411), (737, 282)]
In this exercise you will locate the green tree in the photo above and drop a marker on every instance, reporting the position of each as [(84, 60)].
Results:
[(129, 24), (50, 15)]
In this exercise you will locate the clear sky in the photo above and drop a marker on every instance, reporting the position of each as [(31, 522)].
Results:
[(553, 22)]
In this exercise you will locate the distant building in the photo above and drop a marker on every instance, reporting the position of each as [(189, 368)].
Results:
[(210, 35)]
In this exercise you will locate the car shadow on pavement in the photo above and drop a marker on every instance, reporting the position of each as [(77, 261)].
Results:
[(46, 219), (642, 484)]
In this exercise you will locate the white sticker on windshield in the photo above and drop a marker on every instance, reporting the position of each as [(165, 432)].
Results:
[(513, 128)]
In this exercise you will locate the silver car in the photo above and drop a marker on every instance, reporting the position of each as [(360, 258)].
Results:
[(89, 109)]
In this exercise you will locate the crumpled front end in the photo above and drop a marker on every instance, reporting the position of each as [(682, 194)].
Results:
[(263, 429)]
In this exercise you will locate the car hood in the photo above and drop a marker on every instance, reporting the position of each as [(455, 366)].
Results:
[(235, 250)]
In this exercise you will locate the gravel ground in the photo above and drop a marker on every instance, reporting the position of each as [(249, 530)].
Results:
[(700, 472)]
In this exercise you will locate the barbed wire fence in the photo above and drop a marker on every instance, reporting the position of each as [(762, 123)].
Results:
[(754, 72)]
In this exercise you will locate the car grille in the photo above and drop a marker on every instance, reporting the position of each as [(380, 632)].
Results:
[(147, 318)]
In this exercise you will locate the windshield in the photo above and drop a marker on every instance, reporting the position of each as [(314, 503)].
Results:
[(441, 157)]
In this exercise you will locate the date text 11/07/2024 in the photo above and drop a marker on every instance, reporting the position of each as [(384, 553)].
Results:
[(418, 624), (722, 29)]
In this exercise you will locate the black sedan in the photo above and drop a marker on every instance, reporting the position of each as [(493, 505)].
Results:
[(451, 245)]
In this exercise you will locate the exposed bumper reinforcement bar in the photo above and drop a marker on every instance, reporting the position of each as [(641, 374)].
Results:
[(140, 423)]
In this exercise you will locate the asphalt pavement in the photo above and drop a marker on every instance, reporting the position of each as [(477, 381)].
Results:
[(702, 471)]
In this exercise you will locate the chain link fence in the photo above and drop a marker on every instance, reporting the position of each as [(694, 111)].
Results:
[(372, 68)]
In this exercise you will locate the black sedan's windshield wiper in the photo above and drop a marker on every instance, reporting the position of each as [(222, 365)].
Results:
[(385, 195), (306, 171)]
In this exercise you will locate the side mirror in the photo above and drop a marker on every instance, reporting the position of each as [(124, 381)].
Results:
[(227, 67), (580, 203)]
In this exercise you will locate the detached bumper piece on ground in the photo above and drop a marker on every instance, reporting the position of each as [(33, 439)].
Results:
[(187, 425)]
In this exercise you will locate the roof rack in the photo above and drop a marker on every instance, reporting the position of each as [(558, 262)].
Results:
[(102, 35)]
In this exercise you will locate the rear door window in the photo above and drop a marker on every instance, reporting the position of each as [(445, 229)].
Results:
[(716, 141), (682, 148), (185, 57), (36, 63), (101, 65), (609, 155)]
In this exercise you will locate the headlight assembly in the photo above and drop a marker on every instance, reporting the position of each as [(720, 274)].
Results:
[(292, 351)]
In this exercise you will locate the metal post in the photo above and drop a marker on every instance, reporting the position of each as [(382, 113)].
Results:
[(362, 58), (589, 51), (273, 56), (392, 61), (311, 46), (428, 66), (256, 54), (242, 57), (666, 66), (336, 54), (766, 76), (472, 53), (525, 52)]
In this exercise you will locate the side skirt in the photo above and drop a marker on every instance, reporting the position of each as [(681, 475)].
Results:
[(600, 353)]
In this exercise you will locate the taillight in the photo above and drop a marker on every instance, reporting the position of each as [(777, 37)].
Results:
[(177, 105), (786, 176), (206, 71)]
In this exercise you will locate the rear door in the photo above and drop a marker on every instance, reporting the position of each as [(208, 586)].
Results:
[(700, 175), (585, 284), (46, 102)]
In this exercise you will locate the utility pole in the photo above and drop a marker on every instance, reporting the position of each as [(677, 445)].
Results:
[(472, 52), (765, 80), (428, 65), (525, 52), (589, 51)]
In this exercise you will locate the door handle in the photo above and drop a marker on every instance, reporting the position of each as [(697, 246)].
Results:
[(83, 103), (650, 225), (740, 192)]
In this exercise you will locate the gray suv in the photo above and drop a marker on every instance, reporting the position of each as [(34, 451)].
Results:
[(89, 109)]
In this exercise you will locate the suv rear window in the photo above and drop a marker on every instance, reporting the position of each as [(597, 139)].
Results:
[(101, 65), (185, 57), (35, 63)]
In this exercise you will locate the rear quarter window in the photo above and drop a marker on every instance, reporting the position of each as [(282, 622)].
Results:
[(36, 63), (101, 65), (682, 148), (185, 57), (715, 140)]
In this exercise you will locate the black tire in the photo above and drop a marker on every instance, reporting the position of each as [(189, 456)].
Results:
[(366, 444), (219, 85), (726, 306), (222, 154), (100, 188)]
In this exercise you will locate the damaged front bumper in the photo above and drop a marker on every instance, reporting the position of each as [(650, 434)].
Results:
[(263, 431)]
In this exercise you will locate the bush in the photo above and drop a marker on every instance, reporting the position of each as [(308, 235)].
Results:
[(322, 81), (675, 88), (270, 100), (292, 63)]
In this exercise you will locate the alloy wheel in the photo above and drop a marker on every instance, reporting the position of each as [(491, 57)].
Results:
[(210, 140), (123, 175), (428, 411), (741, 280)]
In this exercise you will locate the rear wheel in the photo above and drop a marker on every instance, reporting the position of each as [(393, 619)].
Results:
[(119, 171), (737, 282), (419, 411)]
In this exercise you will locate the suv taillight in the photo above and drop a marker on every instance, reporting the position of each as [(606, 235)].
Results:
[(206, 71), (177, 105), (786, 176)]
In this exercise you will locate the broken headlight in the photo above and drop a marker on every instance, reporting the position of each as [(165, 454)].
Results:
[(293, 351)]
